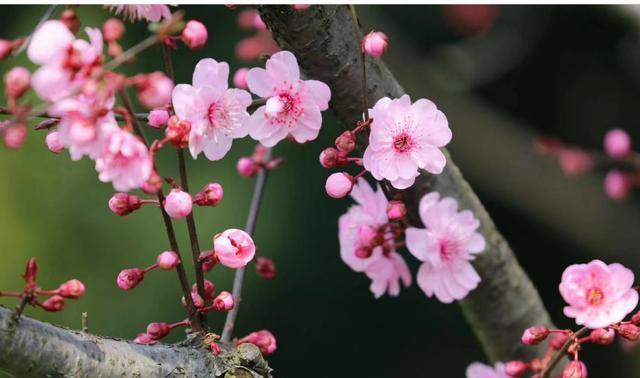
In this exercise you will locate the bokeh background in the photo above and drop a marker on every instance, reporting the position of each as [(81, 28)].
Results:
[(502, 74)]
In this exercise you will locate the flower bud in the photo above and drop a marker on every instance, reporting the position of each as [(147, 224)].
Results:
[(247, 167), (346, 142), (263, 339), (339, 184), (53, 304), (153, 184), (144, 339), (635, 319), (209, 290), (178, 204), (234, 248), (198, 302), (195, 35), (124, 203), (72, 289), (16, 82), (158, 330), (629, 331), (210, 195), (130, 278), (15, 135), (396, 210), (70, 19), (158, 118), (167, 260), (265, 268), (215, 348), (30, 271), (223, 302), (602, 336), (515, 368), (535, 335), (154, 89), (53, 142), (375, 43), (558, 341), (617, 184), (208, 259), (574, 162), (6, 48), (240, 78), (575, 369), (329, 157), (177, 132), (617, 143), (112, 30)]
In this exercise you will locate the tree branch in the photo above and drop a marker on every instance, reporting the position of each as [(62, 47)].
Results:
[(35, 349), (506, 302)]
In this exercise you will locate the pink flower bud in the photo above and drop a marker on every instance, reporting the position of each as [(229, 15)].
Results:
[(617, 143), (265, 268), (258, 23), (144, 339), (346, 142), (575, 369), (16, 82), (635, 319), (153, 184), (177, 132), (240, 78), (339, 184), (629, 331), (558, 341), (208, 259), (331, 157), (70, 19), (195, 35), (124, 203), (263, 339), (535, 335), (113, 30), (234, 248), (168, 260), (246, 19), (210, 195), (617, 184), (15, 135), (158, 330), (301, 7), (223, 302), (247, 167), (30, 271), (130, 278), (215, 348), (574, 162), (515, 368), (602, 336), (375, 43), (396, 210), (178, 204), (72, 289), (198, 302), (154, 89), (158, 118), (209, 290), (6, 48), (53, 304), (363, 252), (53, 142)]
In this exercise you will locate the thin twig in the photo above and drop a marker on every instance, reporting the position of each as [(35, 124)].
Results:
[(130, 53), (562, 352), (44, 18), (358, 34), (238, 279)]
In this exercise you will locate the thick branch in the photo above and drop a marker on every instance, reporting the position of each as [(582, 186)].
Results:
[(31, 348), (506, 302)]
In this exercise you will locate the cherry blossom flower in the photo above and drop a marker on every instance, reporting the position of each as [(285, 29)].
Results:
[(217, 114), (149, 12), (234, 248), (598, 294), (66, 62), (479, 370), (446, 247), (125, 161), (293, 105), (404, 138), (387, 273)]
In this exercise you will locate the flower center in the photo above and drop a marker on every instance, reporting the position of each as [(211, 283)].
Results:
[(402, 142), (448, 249), (595, 296)]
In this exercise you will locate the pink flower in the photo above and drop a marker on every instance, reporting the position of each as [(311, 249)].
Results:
[(598, 294), (404, 138), (293, 105), (575, 369), (617, 184), (112, 30), (234, 248), (125, 161), (387, 273), (66, 62), (375, 43), (478, 370), (210, 195), (14, 134), (149, 12), (195, 35), (53, 304), (178, 204), (446, 247), (154, 89), (72, 289), (217, 114), (158, 118), (124, 203), (263, 339), (53, 142), (339, 184), (223, 302), (246, 167), (617, 143), (167, 260)]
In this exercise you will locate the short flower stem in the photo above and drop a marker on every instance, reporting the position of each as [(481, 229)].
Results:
[(24, 299), (153, 201), (560, 353), (238, 280), (150, 268)]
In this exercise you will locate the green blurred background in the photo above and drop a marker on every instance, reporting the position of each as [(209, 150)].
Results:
[(573, 72)]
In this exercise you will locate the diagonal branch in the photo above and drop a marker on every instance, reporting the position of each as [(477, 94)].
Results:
[(506, 302)]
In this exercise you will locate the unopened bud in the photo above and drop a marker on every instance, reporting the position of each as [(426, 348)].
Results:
[(53, 142), (515, 369), (635, 319), (178, 204), (70, 19), (177, 132), (396, 210), (153, 184), (535, 335), (53, 304), (30, 271), (72, 289), (112, 30), (154, 89), (124, 203), (16, 82), (195, 35), (331, 157), (240, 78), (130, 278), (375, 43), (223, 302), (602, 336), (158, 330), (215, 348), (168, 260), (575, 369), (629, 331), (158, 118), (339, 184), (346, 142), (208, 259), (209, 290), (265, 267), (263, 339), (210, 195), (15, 135), (558, 341), (144, 339), (198, 302), (247, 167)]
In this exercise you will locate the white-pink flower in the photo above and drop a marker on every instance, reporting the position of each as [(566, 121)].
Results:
[(149, 12), (217, 114), (293, 105), (479, 370), (125, 161), (404, 138), (446, 247), (598, 294), (234, 248), (386, 274), (65, 61)]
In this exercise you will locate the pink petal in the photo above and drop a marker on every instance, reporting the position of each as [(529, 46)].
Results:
[(260, 83), (320, 93), (283, 66), (210, 73), (49, 42)]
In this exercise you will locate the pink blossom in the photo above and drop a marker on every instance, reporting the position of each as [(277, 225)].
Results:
[(66, 62), (375, 43), (14, 135), (195, 35), (246, 167), (178, 204), (16, 82), (54, 304), (575, 369), (447, 245), (339, 184), (149, 12), (71, 289), (112, 30), (154, 89), (404, 138), (617, 143), (125, 161), (263, 339), (265, 267), (234, 248), (617, 184), (598, 294), (158, 118), (293, 105), (53, 142), (240, 78), (217, 114), (130, 278), (387, 273), (124, 203), (167, 260), (479, 370), (223, 302)]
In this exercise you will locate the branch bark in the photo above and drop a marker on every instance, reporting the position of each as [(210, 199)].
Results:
[(30, 348), (506, 302)]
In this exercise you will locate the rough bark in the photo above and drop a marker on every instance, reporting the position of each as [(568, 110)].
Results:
[(30, 348), (506, 302)]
